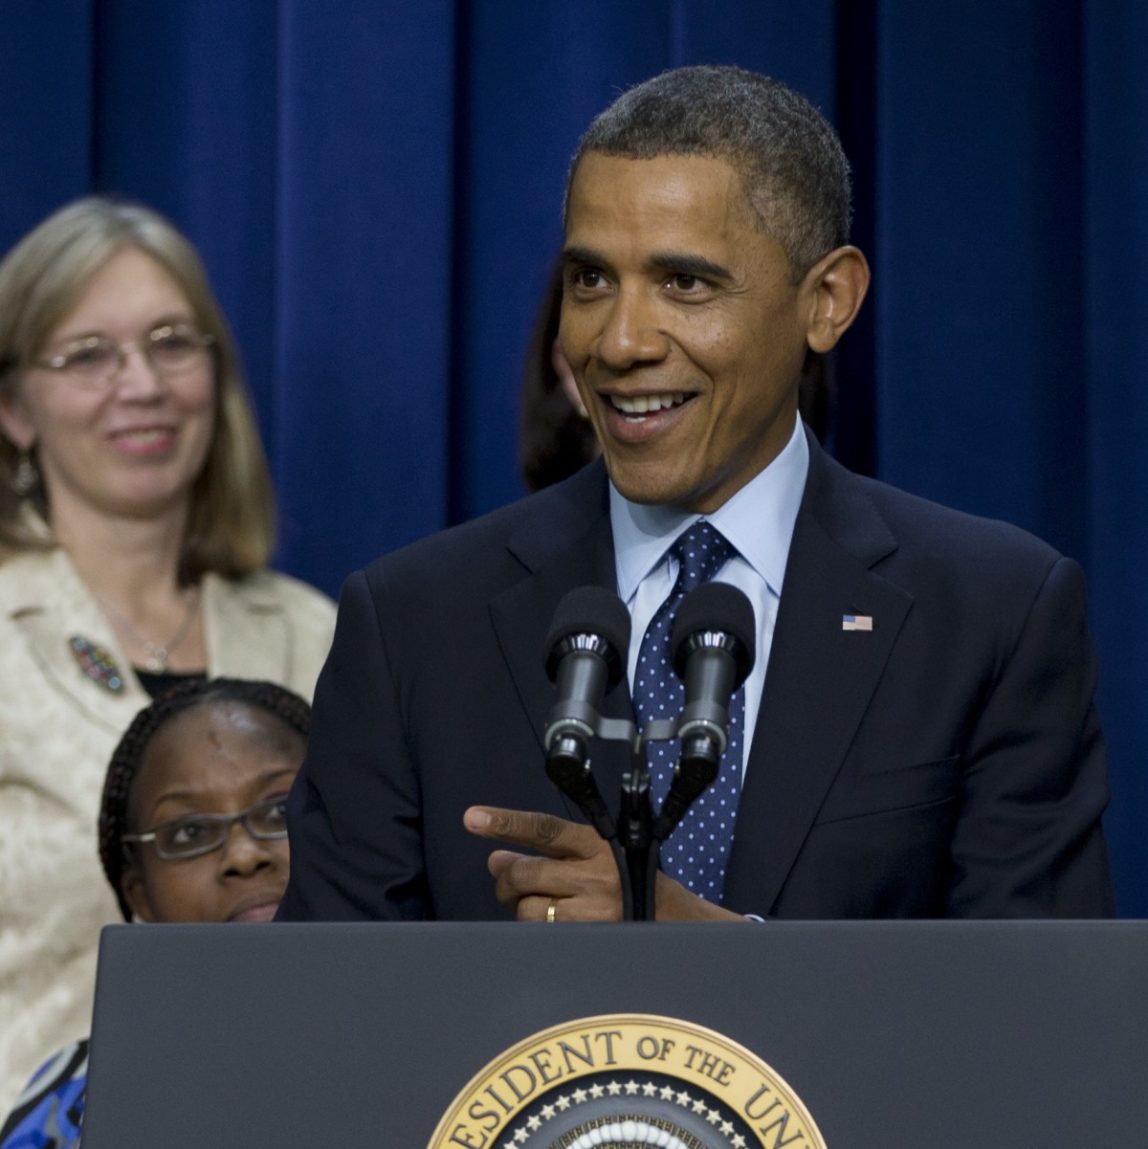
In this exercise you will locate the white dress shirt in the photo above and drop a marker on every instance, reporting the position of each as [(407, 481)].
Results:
[(758, 522)]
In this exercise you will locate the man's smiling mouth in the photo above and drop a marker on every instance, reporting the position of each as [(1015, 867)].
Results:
[(647, 404)]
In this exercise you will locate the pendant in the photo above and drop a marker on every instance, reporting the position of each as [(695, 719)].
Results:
[(95, 661)]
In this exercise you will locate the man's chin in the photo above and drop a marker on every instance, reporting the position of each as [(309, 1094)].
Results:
[(655, 486)]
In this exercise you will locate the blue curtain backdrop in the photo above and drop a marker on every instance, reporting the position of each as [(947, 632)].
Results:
[(375, 186)]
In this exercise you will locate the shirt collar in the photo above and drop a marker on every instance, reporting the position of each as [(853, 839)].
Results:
[(758, 520)]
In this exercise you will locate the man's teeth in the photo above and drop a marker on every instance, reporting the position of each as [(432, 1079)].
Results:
[(644, 404)]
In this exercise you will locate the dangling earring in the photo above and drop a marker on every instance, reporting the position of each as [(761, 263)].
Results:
[(27, 478)]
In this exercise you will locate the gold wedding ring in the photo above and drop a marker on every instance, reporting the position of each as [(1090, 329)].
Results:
[(552, 910)]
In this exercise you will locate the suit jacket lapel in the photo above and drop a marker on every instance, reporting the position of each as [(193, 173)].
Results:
[(820, 677), (566, 544)]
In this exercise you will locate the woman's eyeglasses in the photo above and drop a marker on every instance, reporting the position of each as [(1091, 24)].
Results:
[(96, 360)]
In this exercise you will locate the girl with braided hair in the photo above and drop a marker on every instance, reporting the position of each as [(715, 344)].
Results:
[(192, 828)]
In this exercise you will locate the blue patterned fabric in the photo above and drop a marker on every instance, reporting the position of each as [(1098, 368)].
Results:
[(48, 1114), (696, 853)]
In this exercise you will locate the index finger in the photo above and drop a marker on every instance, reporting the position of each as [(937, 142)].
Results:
[(554, 837)]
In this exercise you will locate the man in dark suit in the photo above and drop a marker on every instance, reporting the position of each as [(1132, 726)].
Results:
[(920, 734)]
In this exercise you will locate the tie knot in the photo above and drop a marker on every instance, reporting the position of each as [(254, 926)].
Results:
[(700, 552)]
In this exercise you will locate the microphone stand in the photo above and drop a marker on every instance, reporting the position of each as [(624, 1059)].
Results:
[(635, 847), (631, 836), (635, 837), (638, 863), (639, 844)]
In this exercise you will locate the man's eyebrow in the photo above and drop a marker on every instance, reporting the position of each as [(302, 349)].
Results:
[(686, 263), (664, 262), (574, 254)]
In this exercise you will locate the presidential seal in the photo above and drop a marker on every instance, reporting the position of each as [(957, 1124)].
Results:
[(627, 1081)]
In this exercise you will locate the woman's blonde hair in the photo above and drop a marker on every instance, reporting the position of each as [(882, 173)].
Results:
[(231, 522)]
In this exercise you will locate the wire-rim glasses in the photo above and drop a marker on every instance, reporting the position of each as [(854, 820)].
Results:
[(95, 360), (197, 834)]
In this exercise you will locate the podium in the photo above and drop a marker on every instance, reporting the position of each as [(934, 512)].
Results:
[(935, 1035)]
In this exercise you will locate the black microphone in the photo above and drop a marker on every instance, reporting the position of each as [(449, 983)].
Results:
[(712, 648), (586, 648)]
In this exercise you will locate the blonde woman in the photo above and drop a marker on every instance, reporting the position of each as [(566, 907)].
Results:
[(136, 523)]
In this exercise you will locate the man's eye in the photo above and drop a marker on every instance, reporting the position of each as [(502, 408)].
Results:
[(686, 282), (587, 278)]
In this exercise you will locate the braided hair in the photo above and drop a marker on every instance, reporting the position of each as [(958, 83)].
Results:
[(267, 696)]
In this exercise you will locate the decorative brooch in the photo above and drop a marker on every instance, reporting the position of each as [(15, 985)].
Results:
[(95, 661)]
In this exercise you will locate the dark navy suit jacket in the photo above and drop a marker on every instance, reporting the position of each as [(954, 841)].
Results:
[(948, 762)]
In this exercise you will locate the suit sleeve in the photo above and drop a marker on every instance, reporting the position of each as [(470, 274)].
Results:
[(1028, 839), (356, 850)]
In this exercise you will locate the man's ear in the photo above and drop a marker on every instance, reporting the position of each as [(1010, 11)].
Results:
[(836, 284), (135, 894)]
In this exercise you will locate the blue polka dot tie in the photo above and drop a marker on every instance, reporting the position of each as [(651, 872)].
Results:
[(697, 851)]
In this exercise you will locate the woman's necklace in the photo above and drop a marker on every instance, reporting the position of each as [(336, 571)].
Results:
[(157, 655)]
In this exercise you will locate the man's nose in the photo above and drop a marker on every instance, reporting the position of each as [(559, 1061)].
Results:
[(632, 332)]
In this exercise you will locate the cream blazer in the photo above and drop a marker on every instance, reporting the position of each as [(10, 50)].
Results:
[(58, 728)]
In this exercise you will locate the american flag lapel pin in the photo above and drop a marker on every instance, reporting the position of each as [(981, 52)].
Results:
[(856, 622)]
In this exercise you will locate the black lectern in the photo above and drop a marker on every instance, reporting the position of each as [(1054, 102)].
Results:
[(934, 1035)]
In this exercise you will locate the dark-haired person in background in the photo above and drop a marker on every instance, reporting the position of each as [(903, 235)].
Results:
[(917, 737), (555, 436), (192, 828)]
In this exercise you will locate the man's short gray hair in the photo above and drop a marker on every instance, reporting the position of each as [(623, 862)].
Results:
[(795, 173)]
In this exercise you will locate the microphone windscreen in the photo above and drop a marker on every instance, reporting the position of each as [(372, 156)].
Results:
[(589, 610), (716, 606)]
